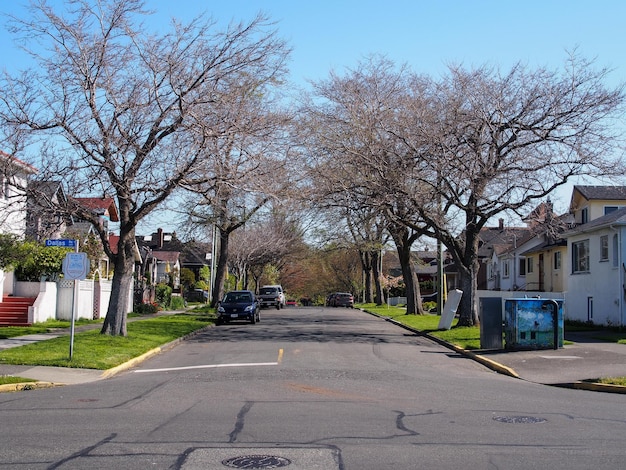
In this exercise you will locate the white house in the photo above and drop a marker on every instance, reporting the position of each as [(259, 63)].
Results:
[(14, 175), (597, 266)]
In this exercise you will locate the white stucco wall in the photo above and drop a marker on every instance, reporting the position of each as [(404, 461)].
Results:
[(597, 295)]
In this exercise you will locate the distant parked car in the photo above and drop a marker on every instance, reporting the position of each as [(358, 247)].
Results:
[(292, 303), (239, 305), (272, 296), (340, 299)]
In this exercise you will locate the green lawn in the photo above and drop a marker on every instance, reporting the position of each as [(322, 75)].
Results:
[(463, 337), (95, 351), (38, 328)]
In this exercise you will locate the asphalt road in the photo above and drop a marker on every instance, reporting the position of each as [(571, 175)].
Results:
[(311, 388)]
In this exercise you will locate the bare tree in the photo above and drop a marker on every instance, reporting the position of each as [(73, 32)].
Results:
[(500, 143), (360, 161), (244, 163), (118, 111)]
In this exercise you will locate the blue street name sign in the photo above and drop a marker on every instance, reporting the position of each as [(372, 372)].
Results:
[(62, 242)]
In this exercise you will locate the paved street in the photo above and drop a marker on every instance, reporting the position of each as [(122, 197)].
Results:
[(311, 388)]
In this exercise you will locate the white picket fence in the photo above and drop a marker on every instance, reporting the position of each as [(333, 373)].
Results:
[(55, 300)]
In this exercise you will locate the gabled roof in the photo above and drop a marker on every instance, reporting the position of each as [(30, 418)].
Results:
[(601, 192), (17, 163), (166, 256), (100, 206), (48, 189), (617, 217), (502, 237), (596, 193), (114, 242)]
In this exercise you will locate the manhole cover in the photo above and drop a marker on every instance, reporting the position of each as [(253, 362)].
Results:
[(519, 419), (257, 461)]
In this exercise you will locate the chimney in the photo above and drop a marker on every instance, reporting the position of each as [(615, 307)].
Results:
[(160, 238), (501, 224)]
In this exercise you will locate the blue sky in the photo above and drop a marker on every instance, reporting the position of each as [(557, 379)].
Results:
[(426, 35)]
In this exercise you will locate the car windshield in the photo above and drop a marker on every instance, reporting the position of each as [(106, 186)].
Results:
[(269, 290), (237, 297)]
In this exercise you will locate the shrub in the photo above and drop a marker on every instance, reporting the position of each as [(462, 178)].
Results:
[(163, 294), (146, 309), (177, 303)]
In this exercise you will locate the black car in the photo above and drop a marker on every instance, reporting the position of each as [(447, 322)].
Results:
[(239, 305)]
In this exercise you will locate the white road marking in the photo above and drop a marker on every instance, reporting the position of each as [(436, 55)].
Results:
[(210, 366), (561, 357)]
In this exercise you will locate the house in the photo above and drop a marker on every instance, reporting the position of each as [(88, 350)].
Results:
[(104, 208), (596, 260), (14, 175), (191, 255), (44, 220), (501, 265)]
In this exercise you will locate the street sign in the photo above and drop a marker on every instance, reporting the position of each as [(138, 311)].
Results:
[(66, 243), (76, 266)]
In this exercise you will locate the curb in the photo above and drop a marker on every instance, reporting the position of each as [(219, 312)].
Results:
[(24, 386), (19, 387), (502, 369), (147, 355)]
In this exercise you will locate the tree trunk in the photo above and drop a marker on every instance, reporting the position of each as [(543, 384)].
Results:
[(366, 265), (404, 241), (379, 296), (413, 297), (121, 286), (468, 314), (220, 272), (468, 270)]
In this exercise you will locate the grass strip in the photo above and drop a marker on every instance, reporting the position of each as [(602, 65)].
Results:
[(14, 379), (42, 327), (466, 337), (93, 350)]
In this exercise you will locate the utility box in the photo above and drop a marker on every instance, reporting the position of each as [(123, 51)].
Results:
[(533, 323), (491, 327)]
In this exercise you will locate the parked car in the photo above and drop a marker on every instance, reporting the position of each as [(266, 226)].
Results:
[(239, 305), (272, 296), (340, 299)]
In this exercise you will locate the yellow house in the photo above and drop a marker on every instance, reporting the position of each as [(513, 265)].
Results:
[(546, 267), (591, 202)]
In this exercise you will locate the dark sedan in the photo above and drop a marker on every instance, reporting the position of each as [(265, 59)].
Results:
[(239, 305)]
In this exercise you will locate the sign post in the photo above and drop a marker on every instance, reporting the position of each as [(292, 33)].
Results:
[(75, 267)]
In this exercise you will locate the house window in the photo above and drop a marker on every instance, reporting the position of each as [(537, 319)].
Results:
[(615, 252), (609, 209), (505, 268), (557, 260), (584, 215), (529, 264), (580, 256), (522, 266), (604, 248)]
